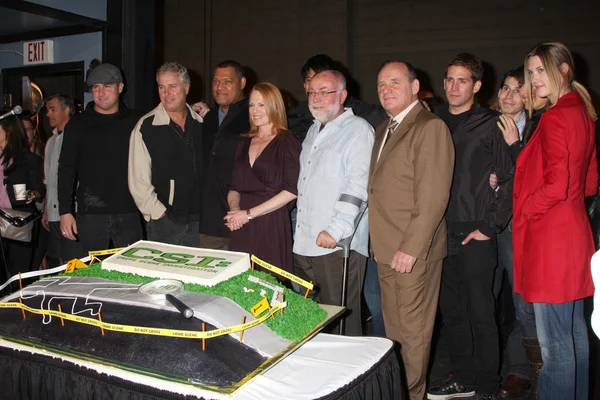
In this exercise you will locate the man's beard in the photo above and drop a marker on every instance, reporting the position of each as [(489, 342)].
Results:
[(325, 116)]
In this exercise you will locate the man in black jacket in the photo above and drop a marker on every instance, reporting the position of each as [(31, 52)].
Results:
[(95, 151), (166, 162), (476, 213), (224, 125)]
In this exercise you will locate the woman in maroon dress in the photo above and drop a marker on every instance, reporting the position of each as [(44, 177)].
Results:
[(265, 177)]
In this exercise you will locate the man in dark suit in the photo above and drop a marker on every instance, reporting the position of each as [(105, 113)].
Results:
[(409, 188), (225, 124)]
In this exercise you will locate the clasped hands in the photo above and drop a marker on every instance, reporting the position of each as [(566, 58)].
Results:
[(235, 219)]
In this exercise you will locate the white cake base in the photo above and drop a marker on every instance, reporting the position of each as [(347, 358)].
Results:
[(187, 264)]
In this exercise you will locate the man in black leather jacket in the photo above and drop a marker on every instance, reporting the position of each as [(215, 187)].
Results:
[(476, 213)]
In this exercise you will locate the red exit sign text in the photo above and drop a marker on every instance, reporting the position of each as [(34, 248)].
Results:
[(38, 52)]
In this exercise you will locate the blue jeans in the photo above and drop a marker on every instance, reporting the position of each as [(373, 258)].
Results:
[(372, 295), (562, 333)]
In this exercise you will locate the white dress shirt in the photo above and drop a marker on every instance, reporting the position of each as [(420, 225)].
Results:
[(398, 118), (333, 161)]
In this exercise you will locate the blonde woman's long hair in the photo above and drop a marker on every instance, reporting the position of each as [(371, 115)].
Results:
[(274, 107), (553, 55)]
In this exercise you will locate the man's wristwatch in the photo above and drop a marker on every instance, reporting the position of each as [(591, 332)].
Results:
[(248, 215)]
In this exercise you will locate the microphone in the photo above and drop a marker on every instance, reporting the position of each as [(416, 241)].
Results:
[(15, 111)]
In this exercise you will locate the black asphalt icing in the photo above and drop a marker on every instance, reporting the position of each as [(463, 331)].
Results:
[(224, 362)]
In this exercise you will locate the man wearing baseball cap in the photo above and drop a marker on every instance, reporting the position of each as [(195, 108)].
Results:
[(93, 163)]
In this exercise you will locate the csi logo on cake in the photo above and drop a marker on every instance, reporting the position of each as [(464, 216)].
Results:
[(200, 261), (186, 264)]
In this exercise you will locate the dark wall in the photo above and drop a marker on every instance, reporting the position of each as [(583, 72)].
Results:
[(129, 42), (275, 37)]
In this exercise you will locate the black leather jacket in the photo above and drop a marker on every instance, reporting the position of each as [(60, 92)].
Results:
[(480, 150)]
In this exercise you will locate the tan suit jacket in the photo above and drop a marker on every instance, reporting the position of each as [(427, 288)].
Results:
[(409, 187)]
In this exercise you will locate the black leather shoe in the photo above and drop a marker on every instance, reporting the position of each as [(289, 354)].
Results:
[(515, 386)]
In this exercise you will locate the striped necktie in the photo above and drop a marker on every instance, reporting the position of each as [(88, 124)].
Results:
[(390, 130)]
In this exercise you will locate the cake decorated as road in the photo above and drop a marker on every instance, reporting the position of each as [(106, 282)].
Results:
[(238, 321)]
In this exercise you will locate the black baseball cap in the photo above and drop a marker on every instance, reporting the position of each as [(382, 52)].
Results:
[(106, 74)]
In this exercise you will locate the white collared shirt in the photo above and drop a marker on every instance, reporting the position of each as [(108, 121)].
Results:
[(398, 118), (333, 161)]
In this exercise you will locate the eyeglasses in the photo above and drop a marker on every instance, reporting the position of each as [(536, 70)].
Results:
[(320, 93)]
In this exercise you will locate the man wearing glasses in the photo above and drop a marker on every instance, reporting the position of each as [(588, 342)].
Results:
[(334, 161)]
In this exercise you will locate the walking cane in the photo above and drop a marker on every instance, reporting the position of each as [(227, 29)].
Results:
[(344, 244)]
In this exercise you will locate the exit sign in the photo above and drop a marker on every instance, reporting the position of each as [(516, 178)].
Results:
[(38, 52)]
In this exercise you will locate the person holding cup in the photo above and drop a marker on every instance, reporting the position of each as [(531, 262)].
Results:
[(22, 187)]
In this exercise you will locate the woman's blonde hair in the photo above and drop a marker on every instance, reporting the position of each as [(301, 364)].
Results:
[(553, 55), (274, 108)]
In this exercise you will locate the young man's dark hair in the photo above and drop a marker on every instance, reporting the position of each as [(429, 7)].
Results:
[(318, 63), (64, 100), (517, 73), (470, 62), (239, 70)]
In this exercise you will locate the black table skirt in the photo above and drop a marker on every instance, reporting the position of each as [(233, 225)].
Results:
[(26, 376)]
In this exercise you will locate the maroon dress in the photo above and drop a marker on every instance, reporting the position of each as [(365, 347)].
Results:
[(268, 237)]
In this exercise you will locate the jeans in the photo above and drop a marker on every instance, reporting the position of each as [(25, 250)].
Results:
[(562, 333), (372, 295), (468, 309), (515, 353), (97, 231), (166, 231)]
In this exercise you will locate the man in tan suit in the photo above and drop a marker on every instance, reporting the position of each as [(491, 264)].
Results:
[(409, 187)]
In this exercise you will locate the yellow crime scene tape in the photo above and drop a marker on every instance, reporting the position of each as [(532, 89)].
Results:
[(147, 330), (104, 252), (281, 272)]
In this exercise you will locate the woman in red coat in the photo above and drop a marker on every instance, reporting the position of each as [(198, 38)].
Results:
[(552, 238)]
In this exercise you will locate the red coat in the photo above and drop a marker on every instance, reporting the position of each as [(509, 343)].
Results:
[(552, 239)]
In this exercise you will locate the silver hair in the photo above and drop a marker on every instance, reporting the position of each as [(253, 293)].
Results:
[(176, 68), (339, 78)]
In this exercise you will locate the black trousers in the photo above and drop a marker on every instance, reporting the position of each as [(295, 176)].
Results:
[(468, 310), (98, 231), (166, 231)]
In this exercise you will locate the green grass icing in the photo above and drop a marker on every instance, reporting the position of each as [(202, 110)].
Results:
[(300, 316)]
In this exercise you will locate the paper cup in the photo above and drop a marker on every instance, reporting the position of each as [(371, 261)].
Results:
[(20, 191)]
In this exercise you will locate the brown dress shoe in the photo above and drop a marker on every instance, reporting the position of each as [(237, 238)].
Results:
[(515, 386)]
